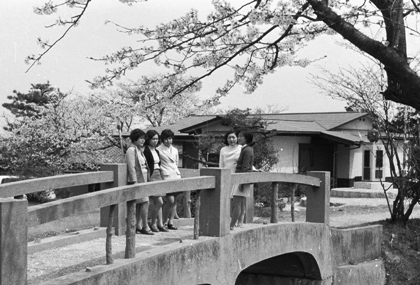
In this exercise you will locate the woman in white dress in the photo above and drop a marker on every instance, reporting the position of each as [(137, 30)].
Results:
[(168, 155), (229, 154)]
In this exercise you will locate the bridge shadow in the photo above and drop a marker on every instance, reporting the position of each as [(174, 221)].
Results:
[(289, 268)]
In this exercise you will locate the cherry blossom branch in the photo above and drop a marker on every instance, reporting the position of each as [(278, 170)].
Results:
[(49, 47)]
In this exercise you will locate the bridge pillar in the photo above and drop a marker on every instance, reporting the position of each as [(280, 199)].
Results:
[(13, 241), (120, 214), (318, 199), (215, 204)]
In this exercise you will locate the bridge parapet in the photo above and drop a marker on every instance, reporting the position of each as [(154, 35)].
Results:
[(214, 184)]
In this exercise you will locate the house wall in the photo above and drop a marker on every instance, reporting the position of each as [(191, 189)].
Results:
[(362, 125), (357, 156), (288, 151)]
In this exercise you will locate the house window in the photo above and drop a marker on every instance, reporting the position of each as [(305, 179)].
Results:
[(379, 163), (366, 165), (366, 161), (379, 158)]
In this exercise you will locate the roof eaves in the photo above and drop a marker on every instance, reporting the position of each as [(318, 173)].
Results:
[(186, 130)]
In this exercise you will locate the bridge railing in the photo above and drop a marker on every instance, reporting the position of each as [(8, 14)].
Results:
[(317, 199), (213, 184)]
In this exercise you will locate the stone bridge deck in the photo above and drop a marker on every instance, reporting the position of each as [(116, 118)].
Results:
[(170, 261)]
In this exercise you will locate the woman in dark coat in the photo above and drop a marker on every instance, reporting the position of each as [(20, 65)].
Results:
[(153, 161), (245, 164)]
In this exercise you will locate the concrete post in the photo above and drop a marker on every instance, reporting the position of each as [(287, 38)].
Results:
[(215, 204), (120, 179), (249, 211), (13, 241), (318, 199)]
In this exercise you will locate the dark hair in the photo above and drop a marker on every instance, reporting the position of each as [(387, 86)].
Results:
[(166, 134), (149, 135), (225, 141), (136, 134), (248, 136)]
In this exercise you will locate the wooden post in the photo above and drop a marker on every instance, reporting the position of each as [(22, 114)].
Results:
[(109, 233), (13, 241), (292, 202), (187, 204), (215, 204), (318, 200), (130, 245), (197, 215), (120, 179), (274, 203)]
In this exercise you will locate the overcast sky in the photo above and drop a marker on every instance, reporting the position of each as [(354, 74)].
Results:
[(67, 67)]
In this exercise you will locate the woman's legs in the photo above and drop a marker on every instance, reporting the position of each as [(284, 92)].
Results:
[(157, 212), (138, 216), (174, 211), (236, 211), (170, 202), (242, 213), (170, 211), (141, 216)]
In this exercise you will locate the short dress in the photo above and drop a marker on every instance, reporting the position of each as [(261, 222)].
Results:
[(229, 159), (169, 164)]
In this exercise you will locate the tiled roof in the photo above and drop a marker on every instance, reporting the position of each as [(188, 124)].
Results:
[(327, 120), (294, 126)]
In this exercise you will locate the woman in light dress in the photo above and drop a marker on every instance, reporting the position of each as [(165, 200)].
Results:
[(137, 172), (168, 155), (229, 154)]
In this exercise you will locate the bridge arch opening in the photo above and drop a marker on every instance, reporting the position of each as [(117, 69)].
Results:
[(282, 269)]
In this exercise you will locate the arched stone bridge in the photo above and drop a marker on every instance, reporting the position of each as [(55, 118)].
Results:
[(276, 253)]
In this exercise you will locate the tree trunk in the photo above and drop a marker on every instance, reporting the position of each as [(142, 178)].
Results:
[(403, 82)]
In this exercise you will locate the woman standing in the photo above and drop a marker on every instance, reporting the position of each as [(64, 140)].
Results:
[(137, 172), (153, 160), (169, 170), (229, 154), (245, 163)]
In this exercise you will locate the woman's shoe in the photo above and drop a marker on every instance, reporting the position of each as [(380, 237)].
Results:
[(146, 232), (138, 231), (154, 229), (162, 229), (171, 227)]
